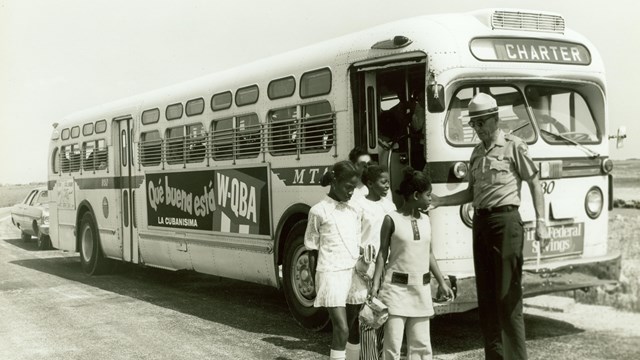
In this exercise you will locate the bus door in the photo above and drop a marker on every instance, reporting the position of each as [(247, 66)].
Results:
[(388, 88), (123, 131)]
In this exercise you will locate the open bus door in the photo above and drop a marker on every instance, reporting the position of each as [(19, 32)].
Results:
[(383, 90), (123, 132)]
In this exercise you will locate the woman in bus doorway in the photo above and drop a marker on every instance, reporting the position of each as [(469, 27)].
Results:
[(333, 238), (405, 239), (375, 205)]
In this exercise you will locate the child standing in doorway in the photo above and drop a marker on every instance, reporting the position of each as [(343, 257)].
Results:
[(375, 205), (405, 239), (332, 238)]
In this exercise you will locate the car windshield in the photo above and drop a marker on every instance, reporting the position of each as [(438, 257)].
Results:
[(562, 111)]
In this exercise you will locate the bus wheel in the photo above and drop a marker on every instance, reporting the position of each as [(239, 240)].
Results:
[(25, 237), (299, 287), (91, 258), (44, 242)]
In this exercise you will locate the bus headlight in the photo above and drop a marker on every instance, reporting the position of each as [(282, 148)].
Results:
[(460, 169), (607, 165), (593, 202), (466, 213)]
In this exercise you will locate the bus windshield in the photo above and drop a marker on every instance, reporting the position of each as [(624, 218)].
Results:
[(514, 117), (562, 111), (561, 114)]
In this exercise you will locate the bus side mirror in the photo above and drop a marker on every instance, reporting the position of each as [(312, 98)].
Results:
[(435, 98), (620, 136)]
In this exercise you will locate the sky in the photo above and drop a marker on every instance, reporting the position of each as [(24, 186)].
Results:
[(61, 56)]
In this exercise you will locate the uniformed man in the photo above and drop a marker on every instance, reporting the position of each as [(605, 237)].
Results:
[(498, 165)]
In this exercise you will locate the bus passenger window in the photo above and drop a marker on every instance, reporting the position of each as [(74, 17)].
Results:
[(248, 135), (317, 127), (88, 155), (315, 83), (222, 139), (283, 131), (174, 149), (196, 143), (150, 148), (65, 157), (74, 162), (174, 111), (101, 155)]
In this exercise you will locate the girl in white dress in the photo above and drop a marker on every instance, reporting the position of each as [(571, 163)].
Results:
[(375, 205), (405, 239), (333, 238)]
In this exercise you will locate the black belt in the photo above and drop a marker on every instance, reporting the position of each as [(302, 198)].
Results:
[(403, 278), (499, 209)]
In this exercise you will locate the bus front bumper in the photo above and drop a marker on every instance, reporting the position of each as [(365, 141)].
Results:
[(551, 277), (571, 274)]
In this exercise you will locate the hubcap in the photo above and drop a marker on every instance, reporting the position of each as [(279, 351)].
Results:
[(303, 285), (87, 243)]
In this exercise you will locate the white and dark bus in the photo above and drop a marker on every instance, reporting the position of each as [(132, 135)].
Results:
[(217, 174)]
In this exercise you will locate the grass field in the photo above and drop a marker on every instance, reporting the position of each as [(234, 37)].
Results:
[(626, 179)]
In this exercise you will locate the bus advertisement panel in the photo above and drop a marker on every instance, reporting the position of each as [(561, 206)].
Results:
[(223, 200)]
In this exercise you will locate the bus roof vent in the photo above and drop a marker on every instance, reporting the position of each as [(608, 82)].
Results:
[(516, 20)]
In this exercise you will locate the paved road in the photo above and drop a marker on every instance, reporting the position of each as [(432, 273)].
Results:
[(50, 310)]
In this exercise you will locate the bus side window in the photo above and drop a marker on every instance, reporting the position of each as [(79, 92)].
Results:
[(74, 163), (150, 148), (175, 142), (317, 127), (248, 135), (64, 158), (282, 131), (101, 155), (196, 149), (222, 138), (88, 155)]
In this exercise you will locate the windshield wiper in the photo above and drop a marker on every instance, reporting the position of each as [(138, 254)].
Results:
[(592, 153)]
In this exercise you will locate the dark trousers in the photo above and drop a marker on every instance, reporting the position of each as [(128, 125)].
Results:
[(497, 252)]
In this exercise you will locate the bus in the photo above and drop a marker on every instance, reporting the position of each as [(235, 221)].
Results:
[(217, 174)]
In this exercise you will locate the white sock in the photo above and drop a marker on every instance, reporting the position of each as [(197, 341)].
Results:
[(337, 354), (352, 351)]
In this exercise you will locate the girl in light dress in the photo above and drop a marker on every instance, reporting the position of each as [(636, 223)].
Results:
[(333, 238), (375, 205), (405, 239)]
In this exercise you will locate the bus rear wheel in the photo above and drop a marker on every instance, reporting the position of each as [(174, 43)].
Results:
[(299, 286), (91, 257), (44, 242), (25, 237)]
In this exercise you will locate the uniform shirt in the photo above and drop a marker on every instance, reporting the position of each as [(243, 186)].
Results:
[(334, 230), (496, 173)]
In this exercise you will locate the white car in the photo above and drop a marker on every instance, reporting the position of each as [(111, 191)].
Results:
[(32, 217)]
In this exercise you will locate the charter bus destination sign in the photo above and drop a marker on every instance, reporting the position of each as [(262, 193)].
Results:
[(530, 50)]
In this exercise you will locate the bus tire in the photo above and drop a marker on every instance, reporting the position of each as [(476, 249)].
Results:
[(299, 288), (25, 237), (44, 241), (91, 258)]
